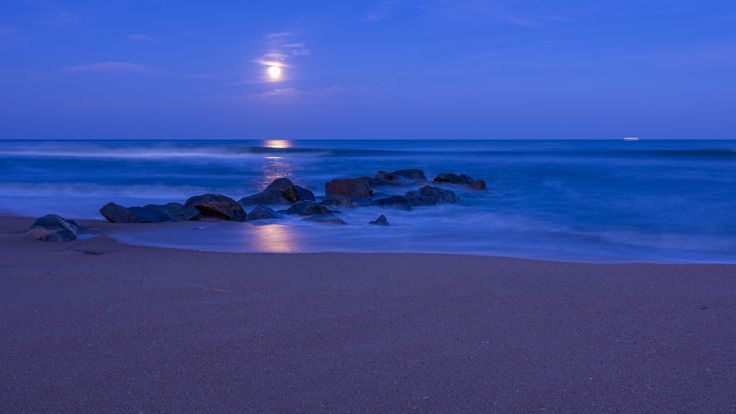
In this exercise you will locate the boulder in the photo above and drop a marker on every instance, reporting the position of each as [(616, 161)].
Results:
[(291, 191), (351, 188), (429, 196), (412, 175), (150, 213), (394, 201), (53, 228), (346, 202), (218, 206), (268, 196), (380, 221), (262, 213), (325, 218), (462, 179), (308, 208)]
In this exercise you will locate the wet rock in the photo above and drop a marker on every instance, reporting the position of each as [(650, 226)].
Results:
[(411, 175), (151, 213), (351, 188), (262, 213), (270, 196), (53, 228), (325, 218), (380, 221), (308, 208), (462, 179), (291, 191), (394, 201), (346, 202), (430, 195), (217, 206)]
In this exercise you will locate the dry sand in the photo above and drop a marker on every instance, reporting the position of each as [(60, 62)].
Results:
[(97, 326)]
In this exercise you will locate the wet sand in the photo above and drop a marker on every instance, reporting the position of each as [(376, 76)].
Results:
[(97, 326)]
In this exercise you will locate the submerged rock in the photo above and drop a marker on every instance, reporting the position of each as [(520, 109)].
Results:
[(53, 228), (150, 213), (429, 196), (308, 208), (217, 206), (325, 218), (346, 202), (351, 188), (380, 221), (262, 213), (462, 179), (394, 201), (395, 177)]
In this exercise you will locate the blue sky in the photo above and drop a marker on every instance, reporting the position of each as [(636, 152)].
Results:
[(369, 69)]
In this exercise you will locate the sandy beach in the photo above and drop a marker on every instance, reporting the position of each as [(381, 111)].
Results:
[(98, 326)]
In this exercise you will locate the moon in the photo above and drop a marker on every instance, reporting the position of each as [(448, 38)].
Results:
[(275, 72)]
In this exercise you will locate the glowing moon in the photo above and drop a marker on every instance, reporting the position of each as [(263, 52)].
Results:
[(275, 72)]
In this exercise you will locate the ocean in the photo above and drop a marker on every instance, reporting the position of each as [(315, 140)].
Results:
[(589, 201)]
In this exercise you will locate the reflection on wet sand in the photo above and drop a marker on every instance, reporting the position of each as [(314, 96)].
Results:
[(272, 238)]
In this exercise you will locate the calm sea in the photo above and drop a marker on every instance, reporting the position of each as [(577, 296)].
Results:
[(655, 201)]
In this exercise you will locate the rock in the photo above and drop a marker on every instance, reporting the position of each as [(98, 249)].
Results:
[(218, 206), (262, 213), (308, 208), (394, 201), (429, 196), (346, 202), (325, 218), (478, 185), (462, 179), (291, 192), (410, 175), (268, 196), (351, 188), (380, 221), (53, 228), (150, 213)]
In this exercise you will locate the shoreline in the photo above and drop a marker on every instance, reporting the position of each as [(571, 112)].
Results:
[(98, 227), (95, 325)]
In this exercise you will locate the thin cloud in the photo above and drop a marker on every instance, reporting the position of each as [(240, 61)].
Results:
[(143, 38), (112, 67), (281, 47)]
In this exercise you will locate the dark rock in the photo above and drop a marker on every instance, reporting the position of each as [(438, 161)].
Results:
[(478, 185), (394, 201), (268, 196), (346, 202), (151, 213), (462, 179), (262, 213), (429, 196), (325, 218), (218, 206), (308, 208), (53, 228), (410, 175), (291, 192), (348, 188), (380, 221)]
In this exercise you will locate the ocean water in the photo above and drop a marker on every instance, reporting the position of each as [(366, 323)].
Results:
[(596, 201)]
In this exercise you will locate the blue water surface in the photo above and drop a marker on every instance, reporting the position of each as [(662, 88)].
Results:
[(655, 201)]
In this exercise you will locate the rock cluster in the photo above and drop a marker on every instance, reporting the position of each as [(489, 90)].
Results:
[(343, 192)]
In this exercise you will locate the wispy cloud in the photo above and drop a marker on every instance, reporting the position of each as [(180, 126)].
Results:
[(281, 47), (112, 67), (143, 38)]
